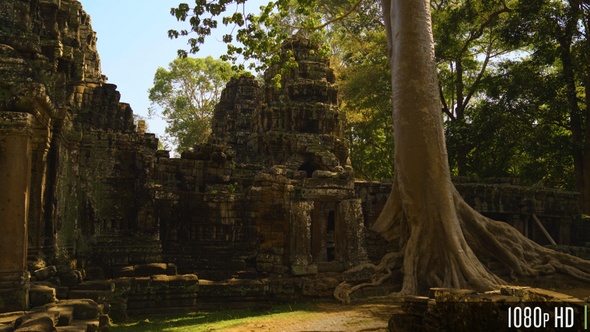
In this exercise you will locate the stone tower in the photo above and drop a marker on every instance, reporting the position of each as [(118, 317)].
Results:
[(298, 124), (293, 133)]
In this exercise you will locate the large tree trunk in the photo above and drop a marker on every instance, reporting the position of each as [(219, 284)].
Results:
[(440, 236), (436, 249), (576, 125), (579, 146)]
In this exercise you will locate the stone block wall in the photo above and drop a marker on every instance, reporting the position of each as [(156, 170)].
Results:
[(211, 235), (516, 205), (498, 310), (272, 193), (204, 219), (580, 232), (156, 293), (373, 196), (500, 201), (234, 115), (105, 175), (310, 87)]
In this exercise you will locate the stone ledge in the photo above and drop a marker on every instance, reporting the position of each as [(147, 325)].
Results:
[(451, 309)]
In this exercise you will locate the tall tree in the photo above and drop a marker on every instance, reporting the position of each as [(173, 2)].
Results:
[(520, 128), (185, 95), (440, 237), (557, 33), (467, 43)]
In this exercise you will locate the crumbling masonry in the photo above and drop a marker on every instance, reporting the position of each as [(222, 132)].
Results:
[(272, 194)]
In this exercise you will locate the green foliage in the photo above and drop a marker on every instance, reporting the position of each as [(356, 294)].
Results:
[(365, 88), (256, 38), (506, 96), (549, 85), (232, 187), (520, 128), (467, 44), (185, 95)]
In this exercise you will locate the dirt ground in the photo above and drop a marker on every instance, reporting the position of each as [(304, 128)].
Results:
[(559, 283), (370, 315), (373, 314)]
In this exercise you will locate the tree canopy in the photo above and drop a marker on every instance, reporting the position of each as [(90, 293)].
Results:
[(185, 94)]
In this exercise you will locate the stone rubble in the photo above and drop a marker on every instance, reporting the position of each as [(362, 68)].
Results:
[(447, 309)]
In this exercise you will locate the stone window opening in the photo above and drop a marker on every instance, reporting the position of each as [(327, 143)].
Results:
[(309, 167), (324, 233), (310, 127)]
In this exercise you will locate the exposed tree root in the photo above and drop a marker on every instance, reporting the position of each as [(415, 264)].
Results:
[(381, 272), (447, 253)]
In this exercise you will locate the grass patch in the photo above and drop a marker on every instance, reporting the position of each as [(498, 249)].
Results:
[(212, 320)]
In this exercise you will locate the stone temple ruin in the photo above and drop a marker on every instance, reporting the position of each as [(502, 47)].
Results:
[(268, 209)]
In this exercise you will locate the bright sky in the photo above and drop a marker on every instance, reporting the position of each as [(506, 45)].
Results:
[(133, 42)]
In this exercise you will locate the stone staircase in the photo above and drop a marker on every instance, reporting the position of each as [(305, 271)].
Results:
[(69, 299)]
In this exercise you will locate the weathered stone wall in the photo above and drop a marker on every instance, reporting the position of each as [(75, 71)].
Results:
[(234, 115), (273, 191), (580, 232), (516, 205), (310, 90), (449, 309), (498, 200), (373, 196), (296, 124), (87, 167), (33, 85), (202, 214), (116, 222), (15, 165)]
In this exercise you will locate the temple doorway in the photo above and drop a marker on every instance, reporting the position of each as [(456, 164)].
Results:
[(324, 232)]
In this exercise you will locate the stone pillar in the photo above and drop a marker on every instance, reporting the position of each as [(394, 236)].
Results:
[(301, 259), (350, 233), (520, 225), (15, 172), (37, 229)]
